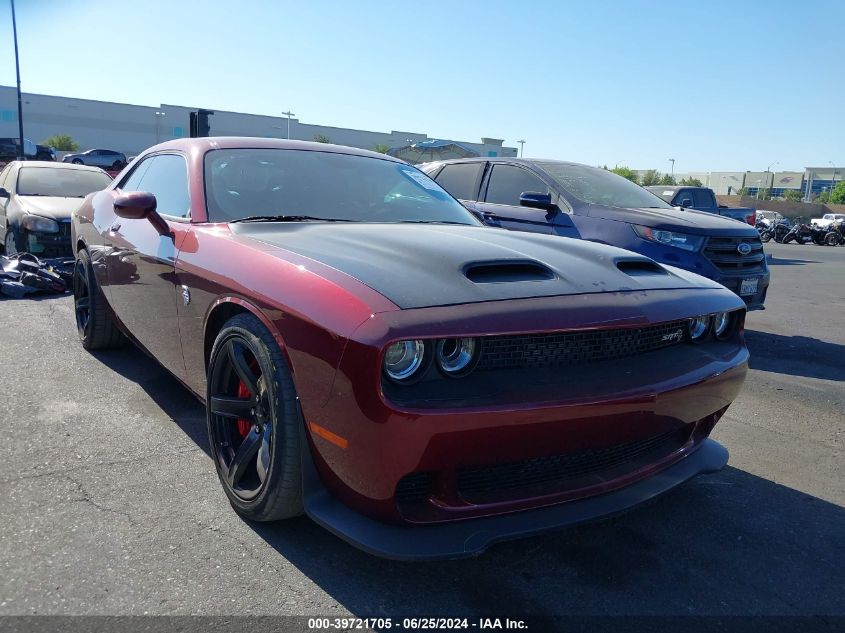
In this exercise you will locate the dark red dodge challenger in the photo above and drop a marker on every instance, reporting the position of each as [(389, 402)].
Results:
[(372, 355)]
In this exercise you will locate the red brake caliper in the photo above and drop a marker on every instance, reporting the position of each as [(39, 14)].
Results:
[(245, 426)]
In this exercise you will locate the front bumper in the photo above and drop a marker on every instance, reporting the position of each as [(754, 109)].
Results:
[(754, 301), (50, 244), (472, 537)]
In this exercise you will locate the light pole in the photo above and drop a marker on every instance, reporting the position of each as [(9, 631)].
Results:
[(18, 73), (833, 184), (288, 114), (672, 173), (521, 147), (767, 171), (158, 116)]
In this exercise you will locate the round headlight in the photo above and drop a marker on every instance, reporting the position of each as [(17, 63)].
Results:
[(699, 327), (456, 356), (721, 324), (403, 360)]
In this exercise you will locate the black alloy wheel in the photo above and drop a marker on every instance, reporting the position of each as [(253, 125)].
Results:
[(94, 323), (254, 424)]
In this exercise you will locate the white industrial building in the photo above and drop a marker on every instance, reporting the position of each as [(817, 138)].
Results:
[(132, 128)]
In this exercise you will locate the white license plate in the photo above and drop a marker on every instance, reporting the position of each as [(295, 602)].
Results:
[(748, 287)]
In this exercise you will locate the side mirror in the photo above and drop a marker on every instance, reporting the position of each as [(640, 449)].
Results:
[(4, 193), (140, 205), (685, 204), (536, 200)]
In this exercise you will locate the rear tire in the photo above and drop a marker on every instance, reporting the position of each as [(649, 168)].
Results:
[(94, 321), (831, 239), (254, 422)]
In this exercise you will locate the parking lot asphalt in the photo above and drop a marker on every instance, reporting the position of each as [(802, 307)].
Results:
[(110, 503)]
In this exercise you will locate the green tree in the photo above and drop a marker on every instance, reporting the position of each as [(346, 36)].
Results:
[(651, 177), (630, 174), (667, 179), (381, 148), (742, 192), (823, 197), (764, 194), (322, 138), (61, 142), (691, 182), (792, 195), (838, 195)]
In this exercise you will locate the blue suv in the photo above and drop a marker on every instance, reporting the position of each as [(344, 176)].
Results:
[(578, 201)]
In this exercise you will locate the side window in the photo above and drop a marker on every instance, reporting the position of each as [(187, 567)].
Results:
[(684, 195), (461, 179), (702, 198), (167, 179), (132, 182), (508, 182)]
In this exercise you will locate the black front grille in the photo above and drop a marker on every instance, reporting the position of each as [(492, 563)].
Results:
[(724, 253), (413, 487), (571, 348), (558, 473)]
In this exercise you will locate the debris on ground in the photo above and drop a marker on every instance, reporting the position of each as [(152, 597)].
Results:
[(23, 273)]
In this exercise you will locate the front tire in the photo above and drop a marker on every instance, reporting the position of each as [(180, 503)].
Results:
[(765, 236), (254, 422), (77, 161), (94, 322), (12, 243)]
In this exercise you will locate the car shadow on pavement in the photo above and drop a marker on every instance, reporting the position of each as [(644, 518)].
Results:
[(730, 543), (782, 261), (795, 355), (174, 399)]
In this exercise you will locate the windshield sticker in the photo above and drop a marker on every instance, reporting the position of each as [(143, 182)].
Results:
[(422, 180)]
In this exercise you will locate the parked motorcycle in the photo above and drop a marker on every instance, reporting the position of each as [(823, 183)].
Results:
[(765, 230), (800, 234), (781, 230), (835, 235)]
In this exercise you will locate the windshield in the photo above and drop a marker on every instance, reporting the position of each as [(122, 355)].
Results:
[(242, 183), (60, 182), (600, 186)]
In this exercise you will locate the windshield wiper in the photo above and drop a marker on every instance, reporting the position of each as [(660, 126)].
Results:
[(433, 222), (287, 218)]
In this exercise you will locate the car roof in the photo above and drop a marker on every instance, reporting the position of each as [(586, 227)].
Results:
[(209, 143), (507, 159), (49, 164), (672, 187)]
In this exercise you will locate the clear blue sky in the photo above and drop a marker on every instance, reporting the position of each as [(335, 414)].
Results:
[(717, 85)]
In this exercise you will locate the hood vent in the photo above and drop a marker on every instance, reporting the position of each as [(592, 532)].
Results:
[(640, 267), (506, 271)]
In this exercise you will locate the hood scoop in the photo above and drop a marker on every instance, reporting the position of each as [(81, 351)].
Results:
[(507, 271), (640, 267)]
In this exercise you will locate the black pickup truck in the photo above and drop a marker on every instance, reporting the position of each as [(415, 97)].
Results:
[(702, 199), (32, 151)]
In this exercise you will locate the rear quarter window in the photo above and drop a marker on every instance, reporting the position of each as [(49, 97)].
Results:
[(461, 180)]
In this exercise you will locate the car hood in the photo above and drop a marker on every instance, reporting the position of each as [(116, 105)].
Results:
[(50, 206), (418, 265), (675, 219)]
